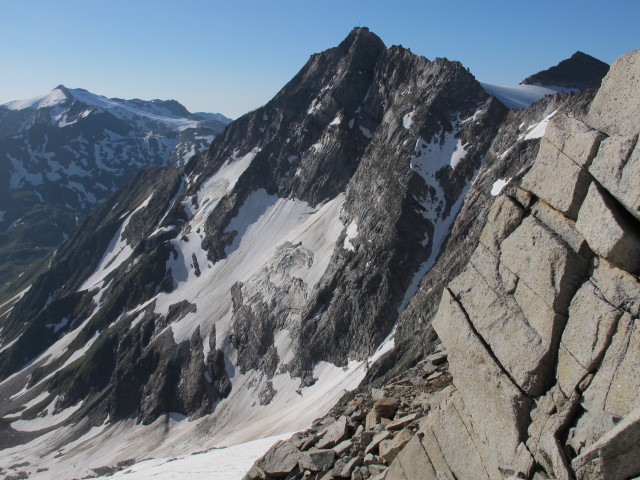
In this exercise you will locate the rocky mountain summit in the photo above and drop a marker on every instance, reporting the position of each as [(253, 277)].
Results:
[(580, 71), (64, 152), (540, 330), (305, 253)]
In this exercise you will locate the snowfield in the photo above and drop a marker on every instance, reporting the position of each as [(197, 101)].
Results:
[(521, 96)]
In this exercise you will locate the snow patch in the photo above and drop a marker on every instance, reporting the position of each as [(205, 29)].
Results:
[(458, 154), (116, 254), (538, 130), (218, 185), (47, 420), (352, 232), (499, 185), (407, 120), (221, 463), (313, 106), (428, 160)]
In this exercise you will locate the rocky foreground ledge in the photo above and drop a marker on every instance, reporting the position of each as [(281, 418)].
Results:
[(363, 435), (542, 330)]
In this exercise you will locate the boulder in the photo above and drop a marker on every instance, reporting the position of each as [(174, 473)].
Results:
[(373, 445), (559, 175), (317, 460), (437, 358), (344, 467), (402, 422), (343, 447), (609, 230), (389, 449), (371, 420), (616, 108), (386, 407), (334, 433), (280, 459)]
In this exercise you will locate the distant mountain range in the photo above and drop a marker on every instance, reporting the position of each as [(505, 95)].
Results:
[(63, 153)]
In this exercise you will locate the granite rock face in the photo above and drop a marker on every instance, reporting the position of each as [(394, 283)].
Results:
[(541, 326)]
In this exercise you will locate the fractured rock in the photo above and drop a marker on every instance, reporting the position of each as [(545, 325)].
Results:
[(592, 322), (480, 382), (618, 287), (412, 463), (615, 456), (617, 168), (559, 174), (613, 392), (386, 407), (608, 231), (616, 107)]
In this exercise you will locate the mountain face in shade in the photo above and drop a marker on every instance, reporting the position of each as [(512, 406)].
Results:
[(580, 71), (242, 293), (64, 152)]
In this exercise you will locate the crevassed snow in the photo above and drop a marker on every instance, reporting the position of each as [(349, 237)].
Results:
[(352, 232), (520, 96), (538, 130), (499, 185), (266, 226), (117, 252)]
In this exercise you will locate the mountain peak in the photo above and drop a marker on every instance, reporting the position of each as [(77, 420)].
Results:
[(579, 71), (361, 36)]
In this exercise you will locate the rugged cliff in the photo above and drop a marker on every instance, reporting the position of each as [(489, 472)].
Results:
[(537, 374)]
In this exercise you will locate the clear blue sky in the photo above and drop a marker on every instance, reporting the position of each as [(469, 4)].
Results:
[(233, 56)]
